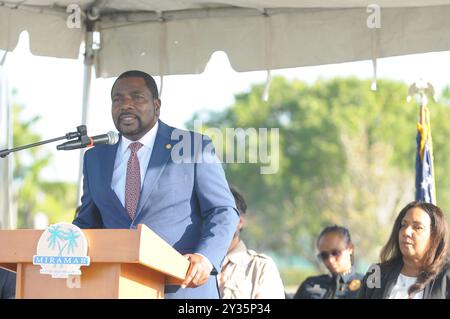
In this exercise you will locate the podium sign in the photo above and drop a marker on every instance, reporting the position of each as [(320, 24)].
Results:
[(62, 250)]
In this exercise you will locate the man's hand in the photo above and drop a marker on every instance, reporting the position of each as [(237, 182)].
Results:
[(199, 271)]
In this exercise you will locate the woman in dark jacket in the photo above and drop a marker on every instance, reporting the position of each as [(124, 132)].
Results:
[(414, 261)]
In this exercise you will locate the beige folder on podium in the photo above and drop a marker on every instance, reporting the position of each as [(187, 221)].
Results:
[(124, 264)]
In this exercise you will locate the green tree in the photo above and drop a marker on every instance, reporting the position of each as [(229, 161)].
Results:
[(35, 194), (346, 157)]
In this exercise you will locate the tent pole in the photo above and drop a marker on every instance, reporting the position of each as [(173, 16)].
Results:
[(8, 208), (87, 76)]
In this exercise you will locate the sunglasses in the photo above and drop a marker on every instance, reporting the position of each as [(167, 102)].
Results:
[(324, 255)]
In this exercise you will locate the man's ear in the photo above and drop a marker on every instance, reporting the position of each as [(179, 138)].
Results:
[(241, 221), (157, 103), (350, 247)]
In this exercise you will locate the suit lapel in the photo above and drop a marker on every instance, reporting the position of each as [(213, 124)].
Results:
[(158, 160)]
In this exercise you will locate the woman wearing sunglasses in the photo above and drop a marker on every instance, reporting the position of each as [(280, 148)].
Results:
[(414, 261), (336, 252)]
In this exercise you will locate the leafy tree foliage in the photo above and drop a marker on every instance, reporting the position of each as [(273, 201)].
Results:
[(34, 193), (347, 157)]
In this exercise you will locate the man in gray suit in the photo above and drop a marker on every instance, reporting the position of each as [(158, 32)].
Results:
[(165, 178)]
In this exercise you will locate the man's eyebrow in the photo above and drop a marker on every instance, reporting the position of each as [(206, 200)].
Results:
[(118, 93), (137, 91)]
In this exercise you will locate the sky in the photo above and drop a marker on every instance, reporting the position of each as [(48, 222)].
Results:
[(52, 88)]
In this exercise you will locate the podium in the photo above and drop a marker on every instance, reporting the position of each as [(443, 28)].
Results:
[(124, 264)]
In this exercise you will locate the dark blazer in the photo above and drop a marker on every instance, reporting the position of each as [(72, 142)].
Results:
[(436, 289), (330, 287), (7, 284), (187, 203)]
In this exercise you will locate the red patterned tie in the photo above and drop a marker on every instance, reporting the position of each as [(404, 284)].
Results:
[(133, 182)]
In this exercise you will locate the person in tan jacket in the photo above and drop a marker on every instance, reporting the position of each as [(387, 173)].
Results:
[(245, 273)]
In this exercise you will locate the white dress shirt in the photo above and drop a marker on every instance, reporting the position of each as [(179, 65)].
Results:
[(121, 162)]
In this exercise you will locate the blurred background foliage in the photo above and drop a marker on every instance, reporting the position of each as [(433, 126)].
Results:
[(346, 156), (34, 194)]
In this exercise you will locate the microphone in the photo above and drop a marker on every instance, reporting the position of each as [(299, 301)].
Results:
[(110, 138)]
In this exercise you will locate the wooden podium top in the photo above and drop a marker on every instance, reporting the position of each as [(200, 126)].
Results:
[(137, 246)]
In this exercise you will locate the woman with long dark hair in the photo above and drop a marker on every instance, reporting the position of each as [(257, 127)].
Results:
[(414, 262)]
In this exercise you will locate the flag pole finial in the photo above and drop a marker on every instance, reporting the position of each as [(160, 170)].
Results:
[(423, 89)]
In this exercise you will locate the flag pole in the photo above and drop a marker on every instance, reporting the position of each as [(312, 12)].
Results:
[(425, 183)]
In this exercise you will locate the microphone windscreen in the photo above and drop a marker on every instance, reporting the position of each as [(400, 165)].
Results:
[(113, 138)]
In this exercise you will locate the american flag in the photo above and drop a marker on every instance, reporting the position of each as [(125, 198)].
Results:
[(425, 186)]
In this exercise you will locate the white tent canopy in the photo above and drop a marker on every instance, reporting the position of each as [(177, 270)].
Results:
[(166, 37)]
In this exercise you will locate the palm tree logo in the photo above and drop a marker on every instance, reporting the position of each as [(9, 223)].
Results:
[(56, 237), (71, 239), (61, 240)]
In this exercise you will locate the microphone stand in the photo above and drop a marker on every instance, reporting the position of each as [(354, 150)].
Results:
[(81, 134)]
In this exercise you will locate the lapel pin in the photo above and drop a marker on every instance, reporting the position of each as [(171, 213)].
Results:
[(168, 146)]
